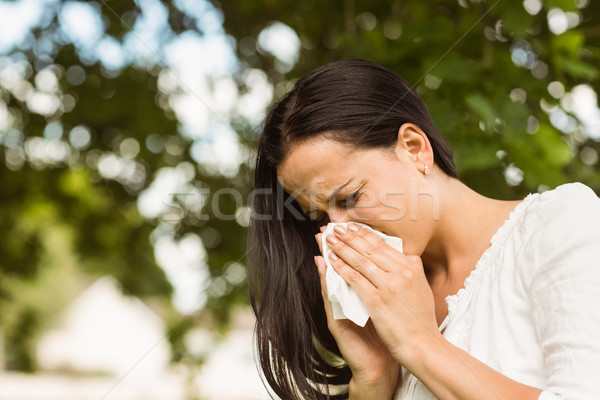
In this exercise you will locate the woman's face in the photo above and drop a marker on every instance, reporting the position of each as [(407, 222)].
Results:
[(386, 190)]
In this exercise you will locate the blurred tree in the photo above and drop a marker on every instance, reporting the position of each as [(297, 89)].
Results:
[(80, 140), (497, 75), (83, 137)]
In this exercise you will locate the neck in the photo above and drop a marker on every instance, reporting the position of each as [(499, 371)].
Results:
[(467, 221)]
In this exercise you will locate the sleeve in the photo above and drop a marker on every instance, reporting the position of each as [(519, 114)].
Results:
[(565, 292)]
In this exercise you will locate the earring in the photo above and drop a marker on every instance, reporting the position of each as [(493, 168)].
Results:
[(427, 171)]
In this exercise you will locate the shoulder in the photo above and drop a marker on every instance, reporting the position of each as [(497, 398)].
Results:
[(569, 197), (575, 193), (560, 228), (566, 208)]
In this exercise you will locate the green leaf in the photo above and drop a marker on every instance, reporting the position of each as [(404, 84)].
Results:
[(579, 69), (516, 20), (568, 42), (483, 108), (565, 5)]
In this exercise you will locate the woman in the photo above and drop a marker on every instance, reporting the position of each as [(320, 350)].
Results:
[(490, 299)]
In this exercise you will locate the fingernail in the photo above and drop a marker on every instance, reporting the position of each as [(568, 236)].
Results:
[(331, 239), (332, 256), (353, 227), (339, 229)]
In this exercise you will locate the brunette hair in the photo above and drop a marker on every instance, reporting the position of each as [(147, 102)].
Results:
[(353, 102)]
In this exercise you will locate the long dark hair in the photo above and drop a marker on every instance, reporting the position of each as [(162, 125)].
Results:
[(354, 102)]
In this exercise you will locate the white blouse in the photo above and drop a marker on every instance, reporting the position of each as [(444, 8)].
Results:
[(531, 307)]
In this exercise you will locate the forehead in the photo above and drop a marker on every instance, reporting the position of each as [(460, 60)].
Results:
[(313, 171), (322, 162)]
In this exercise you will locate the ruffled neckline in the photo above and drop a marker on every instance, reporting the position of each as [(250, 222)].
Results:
[(487, 259)]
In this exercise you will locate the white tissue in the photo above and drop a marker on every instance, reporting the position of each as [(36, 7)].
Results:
[(345, 302)]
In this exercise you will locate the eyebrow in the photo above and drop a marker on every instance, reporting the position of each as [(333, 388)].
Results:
[(330, 199)]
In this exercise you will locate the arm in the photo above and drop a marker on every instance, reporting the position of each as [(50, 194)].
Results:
[(379, 389), (565, 295), (451, 373)]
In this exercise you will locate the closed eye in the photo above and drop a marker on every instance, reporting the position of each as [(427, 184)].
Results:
[(349, 201), (352, 199)]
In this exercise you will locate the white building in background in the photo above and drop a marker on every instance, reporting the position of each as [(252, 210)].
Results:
[(108, 346), (104, 331)]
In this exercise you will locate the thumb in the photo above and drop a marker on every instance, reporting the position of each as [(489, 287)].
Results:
[(322, 268)]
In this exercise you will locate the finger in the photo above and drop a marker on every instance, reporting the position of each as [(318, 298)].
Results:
[(354, 259), (322, 228), (360, 275), (322, 268), (318, 238), (371, 246)]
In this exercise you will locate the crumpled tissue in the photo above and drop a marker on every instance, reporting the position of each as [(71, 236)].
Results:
[(346, 303)]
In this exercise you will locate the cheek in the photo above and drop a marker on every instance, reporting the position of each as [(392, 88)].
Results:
[(394, 204), (379, 208), (392, 209), (414, 235)]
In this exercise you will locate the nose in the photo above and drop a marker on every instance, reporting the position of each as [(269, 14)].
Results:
[(337, 214)]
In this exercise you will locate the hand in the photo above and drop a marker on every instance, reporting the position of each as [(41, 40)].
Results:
[(393, 287), (368, 358)]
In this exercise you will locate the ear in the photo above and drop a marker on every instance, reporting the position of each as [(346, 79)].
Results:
[(412, 141)]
